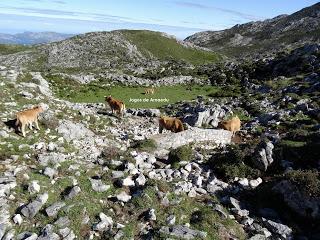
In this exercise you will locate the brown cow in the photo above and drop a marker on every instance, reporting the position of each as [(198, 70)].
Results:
[(173, 124), (149, 91), (29, 117), (115, 105), (232, 125)]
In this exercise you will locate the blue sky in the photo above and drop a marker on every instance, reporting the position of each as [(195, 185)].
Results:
[(177, 17)]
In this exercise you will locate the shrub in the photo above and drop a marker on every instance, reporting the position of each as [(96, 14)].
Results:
[(308, 181), (227, 91), (145, 145), (111, 153), (235, 162), (183, 153), (302, 154)]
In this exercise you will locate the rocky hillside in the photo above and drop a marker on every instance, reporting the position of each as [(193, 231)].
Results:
[(87, 174), (263, 36), (100, 51), (29, 38)]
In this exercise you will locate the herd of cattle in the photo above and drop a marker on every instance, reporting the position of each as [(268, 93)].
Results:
[(30, 116)]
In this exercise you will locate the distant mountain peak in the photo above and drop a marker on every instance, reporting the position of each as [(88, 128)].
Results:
[(29, 38)]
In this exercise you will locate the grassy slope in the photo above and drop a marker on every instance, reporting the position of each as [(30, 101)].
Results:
[(165, 48), (12, 48)]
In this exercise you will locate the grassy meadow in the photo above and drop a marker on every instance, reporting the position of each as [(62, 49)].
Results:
[(133, 96)]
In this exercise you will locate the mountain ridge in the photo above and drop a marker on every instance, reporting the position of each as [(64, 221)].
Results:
[(119, 49), (262, 36)]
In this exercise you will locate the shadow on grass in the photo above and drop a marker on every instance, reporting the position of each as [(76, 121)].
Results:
[(11, 124)]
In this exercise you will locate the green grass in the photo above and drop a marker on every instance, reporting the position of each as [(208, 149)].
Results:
[(183, 210), (145, 145), (165, 48), (6, 49), (308, 181), (95, 92), (289, 143)]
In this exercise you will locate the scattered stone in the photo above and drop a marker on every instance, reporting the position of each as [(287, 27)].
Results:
[(48, 234), (279, 228), (123, 197), (128, 182), (31, 209), (106, 223), (50, 172), (183, 232), (54, 208), (171, 220), (220, 210), (263, 155), (117, 174), (151, 215), (237, 209), (51, 158), (73, 192), (17, 219), (62, 221), (34, 187), (98, 186), (27, 236), (141, 180), (67, 233), (255, 182), (258, 237)]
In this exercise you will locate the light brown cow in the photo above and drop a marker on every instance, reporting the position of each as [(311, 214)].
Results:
[(29, 117), (173, 124), (232, 125), (149, 91), (115, 105)]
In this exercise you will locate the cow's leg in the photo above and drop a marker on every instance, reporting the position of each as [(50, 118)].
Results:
[(160, 128), (37, 125), (23, 130)]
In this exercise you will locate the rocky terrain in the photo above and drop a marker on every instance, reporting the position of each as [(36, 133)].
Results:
[(88, 174), (252, 38)]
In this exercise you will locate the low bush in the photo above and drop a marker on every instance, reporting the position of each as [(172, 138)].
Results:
[(145, 145), (308, 181), (183, 153), (234, 162)]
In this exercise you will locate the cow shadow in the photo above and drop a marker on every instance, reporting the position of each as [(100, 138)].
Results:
[(103, 112), (110, 114), (11, 124)]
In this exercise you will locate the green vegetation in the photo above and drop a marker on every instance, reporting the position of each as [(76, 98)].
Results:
[(145, 145), (184, 208), (227, 91), (95, 92), (308, 181), (235, 162), (290, 143), (183, 153), (303, 153), (6, 49), (165, 48), (87, 199)]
